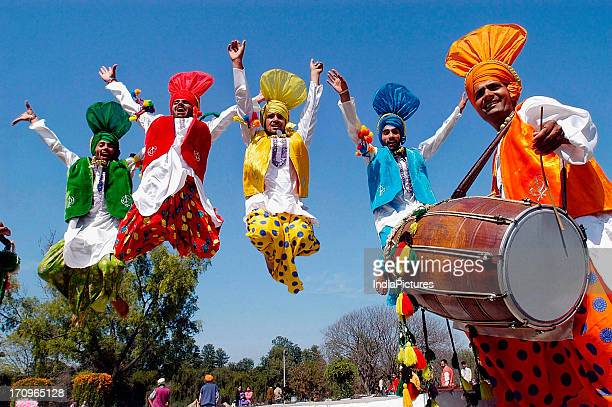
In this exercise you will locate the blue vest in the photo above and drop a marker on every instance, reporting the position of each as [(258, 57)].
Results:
[(385, 182)]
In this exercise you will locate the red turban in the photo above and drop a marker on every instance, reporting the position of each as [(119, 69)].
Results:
[(189, 86)]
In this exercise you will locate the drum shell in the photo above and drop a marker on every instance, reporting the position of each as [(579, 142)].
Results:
[(479, 233)]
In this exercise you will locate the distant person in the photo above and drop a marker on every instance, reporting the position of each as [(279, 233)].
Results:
[(209, 393), (394, 383), (242, 401), (269, 395), (381, 386), (466, 372), (446, 377), (160, 397), (278, 395), (237, 395), (248, 395)]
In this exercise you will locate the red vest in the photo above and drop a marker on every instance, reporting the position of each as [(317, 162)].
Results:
[(194, 149)]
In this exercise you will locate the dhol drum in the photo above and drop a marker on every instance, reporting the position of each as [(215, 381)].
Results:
[(491, 262)]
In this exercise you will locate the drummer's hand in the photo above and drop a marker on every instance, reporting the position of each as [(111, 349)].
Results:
[(549, 138), (27, 116)]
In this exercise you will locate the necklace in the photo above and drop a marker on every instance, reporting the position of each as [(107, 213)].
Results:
[(506, 121)]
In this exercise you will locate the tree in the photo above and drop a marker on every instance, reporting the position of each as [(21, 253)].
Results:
[(245, 365), (208, 356), (157, 335), (341, 373), (221, 358), (307, 379), (369, 338)]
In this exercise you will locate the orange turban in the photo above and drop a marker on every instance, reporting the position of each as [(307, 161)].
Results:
[(486, 54)]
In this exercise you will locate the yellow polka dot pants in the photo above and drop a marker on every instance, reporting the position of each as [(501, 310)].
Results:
[(281, 238)]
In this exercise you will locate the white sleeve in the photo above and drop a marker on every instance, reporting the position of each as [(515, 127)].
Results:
[(429, 147), (446, 379), (244, 105), (575, 122), (219, 124), (124, 97), (308, 119), (50, 139), (352, 122)]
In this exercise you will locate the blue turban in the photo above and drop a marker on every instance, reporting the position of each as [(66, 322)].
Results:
[(394, 104)]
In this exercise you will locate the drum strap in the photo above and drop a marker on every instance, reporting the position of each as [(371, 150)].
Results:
[(471, 176), (429, 354), (455, 359)]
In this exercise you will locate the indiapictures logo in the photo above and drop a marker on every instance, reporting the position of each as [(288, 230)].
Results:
[(69, 201), (537, 188), (126, 201), (381, 190), (196, 154), (151, 150)]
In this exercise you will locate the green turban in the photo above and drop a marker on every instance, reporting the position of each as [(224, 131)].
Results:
[(108, 122)]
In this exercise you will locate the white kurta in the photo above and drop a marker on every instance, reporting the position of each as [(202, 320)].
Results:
[(404, 203), (167, 174), (280, 182), (581, 132), (92, 236)]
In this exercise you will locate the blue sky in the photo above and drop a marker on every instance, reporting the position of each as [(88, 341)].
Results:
[(51, 52)]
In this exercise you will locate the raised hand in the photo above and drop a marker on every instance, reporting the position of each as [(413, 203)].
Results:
[(108, 74), (260, 97), (235, 49), (4, 230), (337, 82), (27, 116), (462, 102), (316, 67)]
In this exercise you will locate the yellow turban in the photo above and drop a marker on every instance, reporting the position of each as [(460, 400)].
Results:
[(283, 91), (486, 54), (276, 106)]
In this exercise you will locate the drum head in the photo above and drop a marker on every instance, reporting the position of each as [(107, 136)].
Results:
[(545, 282)]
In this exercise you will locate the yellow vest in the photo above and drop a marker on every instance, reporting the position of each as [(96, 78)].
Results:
[(257, 160)]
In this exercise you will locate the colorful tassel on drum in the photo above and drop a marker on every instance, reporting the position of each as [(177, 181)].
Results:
[(410, 358), (427, 374), (403, 306), (421, 363), (406, 399)]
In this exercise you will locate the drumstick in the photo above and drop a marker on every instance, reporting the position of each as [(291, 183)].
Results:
[(550, 196)]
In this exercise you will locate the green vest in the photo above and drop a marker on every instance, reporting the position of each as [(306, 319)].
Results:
[(79, 189)]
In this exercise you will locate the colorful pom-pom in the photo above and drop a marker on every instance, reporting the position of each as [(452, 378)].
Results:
[(137, 91), (427, 374), (421, 363), (133, 118), (410, 358), (256, 123), (147, 103), (407, 307), (413, 228)]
